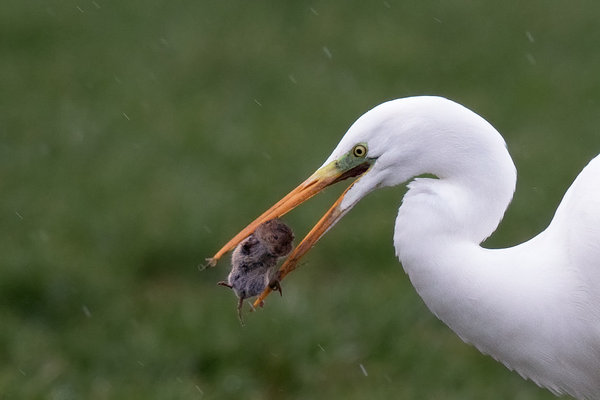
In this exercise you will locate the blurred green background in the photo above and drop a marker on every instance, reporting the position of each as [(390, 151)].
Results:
[(136, 137)]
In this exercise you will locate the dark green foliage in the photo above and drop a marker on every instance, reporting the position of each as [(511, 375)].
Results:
[(136, 137)]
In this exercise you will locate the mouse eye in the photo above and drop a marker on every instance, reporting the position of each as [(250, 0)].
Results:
[(360, 150)]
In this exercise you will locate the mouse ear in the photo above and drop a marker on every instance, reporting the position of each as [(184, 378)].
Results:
[(247, 245)]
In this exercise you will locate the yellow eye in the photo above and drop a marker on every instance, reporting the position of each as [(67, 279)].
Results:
[(359, 151)]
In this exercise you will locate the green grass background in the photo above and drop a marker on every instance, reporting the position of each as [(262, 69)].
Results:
[(136, 137)]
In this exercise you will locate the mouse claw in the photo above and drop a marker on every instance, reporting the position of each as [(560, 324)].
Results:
[(276, 285)]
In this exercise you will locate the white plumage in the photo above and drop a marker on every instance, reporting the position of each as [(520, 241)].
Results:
[(534, 307)]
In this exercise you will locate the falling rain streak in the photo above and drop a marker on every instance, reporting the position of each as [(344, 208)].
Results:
[(530, 37), (86, 311), (363, 369)]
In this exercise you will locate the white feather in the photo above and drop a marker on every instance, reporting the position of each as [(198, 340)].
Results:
[(534, 307)]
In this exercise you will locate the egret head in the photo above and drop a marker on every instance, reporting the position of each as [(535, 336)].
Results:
[(372, 151), (386, 146), (408, 137)]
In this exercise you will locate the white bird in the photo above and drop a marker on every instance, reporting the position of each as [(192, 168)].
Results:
[(534, 307)]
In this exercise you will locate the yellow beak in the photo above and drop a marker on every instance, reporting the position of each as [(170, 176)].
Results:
[(325, 176)]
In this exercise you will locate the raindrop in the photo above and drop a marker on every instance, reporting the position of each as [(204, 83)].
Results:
[(531, 58), (199, 390), (86, 311), (19, 215), (327, 52), (321, 347), (293, 79), (364, 371), (126, 116), (386, 4), (312, 10), (258, 102), (80, 9), (96, 4), (530, 37)]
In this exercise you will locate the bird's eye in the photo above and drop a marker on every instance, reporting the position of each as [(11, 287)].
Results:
[(359, 151)]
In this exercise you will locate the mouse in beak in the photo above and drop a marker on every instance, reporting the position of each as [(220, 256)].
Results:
[(254, 261)]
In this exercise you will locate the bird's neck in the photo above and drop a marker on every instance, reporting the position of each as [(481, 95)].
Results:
[(466, 207), (438, 232), (483, 294), (480, 294)]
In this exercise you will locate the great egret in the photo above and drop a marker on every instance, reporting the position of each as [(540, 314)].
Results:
[(534, 307)]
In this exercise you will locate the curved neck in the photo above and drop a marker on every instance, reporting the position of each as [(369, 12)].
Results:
[(442, 222), (476, 291), (467, 205)]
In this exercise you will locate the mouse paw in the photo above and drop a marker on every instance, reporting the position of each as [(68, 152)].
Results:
[(275, 285), (226, 284)]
